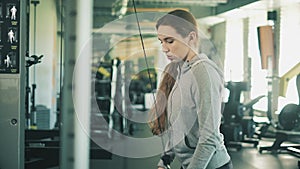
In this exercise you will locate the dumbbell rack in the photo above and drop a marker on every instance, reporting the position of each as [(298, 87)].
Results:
[(110, 112)]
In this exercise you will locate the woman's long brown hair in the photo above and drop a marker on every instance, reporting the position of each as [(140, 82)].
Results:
[(158, 111)]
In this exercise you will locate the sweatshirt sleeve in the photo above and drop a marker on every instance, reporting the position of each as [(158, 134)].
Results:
[(208, 90)]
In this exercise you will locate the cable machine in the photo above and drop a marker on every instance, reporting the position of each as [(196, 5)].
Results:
[(13, 46)]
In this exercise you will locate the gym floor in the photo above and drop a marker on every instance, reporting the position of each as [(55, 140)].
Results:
[(248, 157)]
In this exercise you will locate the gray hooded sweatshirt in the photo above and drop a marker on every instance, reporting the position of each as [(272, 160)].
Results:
[(194, 116)]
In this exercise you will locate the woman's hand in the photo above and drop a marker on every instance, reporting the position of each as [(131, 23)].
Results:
[(161, 168)]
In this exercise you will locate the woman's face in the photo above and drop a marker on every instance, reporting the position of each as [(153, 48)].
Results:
[(173, 44)]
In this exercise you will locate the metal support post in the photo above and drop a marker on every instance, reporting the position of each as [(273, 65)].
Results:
[(76, 115)]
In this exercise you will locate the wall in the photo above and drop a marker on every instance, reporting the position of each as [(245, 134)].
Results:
[(233, 64), (218, 39)]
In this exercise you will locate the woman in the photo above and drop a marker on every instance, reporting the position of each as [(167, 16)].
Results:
[(189, 98)]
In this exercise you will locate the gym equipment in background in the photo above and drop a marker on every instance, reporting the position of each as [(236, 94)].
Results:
[(238, 125), (31, 122), (107, 89), (13, 46), (288, 119)]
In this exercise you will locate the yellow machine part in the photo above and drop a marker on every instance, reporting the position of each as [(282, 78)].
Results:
[(284, 80)]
